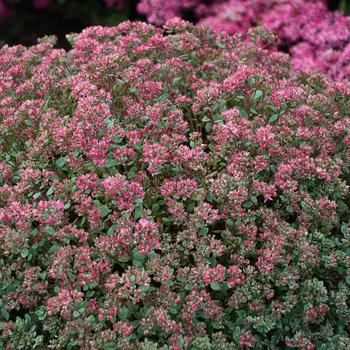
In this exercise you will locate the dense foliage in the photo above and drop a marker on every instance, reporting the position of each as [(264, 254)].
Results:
[(171, 188)]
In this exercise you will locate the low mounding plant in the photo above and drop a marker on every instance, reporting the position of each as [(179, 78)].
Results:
[(171, 188)]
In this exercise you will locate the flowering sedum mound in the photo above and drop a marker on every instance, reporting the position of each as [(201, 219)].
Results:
[(171, 188)]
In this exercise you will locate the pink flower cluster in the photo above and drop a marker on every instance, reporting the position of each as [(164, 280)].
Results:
[(171, 187), (316, 38)]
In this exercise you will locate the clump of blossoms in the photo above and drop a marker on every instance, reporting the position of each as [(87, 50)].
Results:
[(316, 38), (171, 188)]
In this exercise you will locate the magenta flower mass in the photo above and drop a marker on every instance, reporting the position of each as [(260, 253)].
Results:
[(171, 188), (316, 38)]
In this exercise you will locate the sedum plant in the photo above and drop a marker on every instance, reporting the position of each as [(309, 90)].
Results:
[(171, 188)]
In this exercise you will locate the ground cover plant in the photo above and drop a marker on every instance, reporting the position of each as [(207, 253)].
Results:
[(171, 188)]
